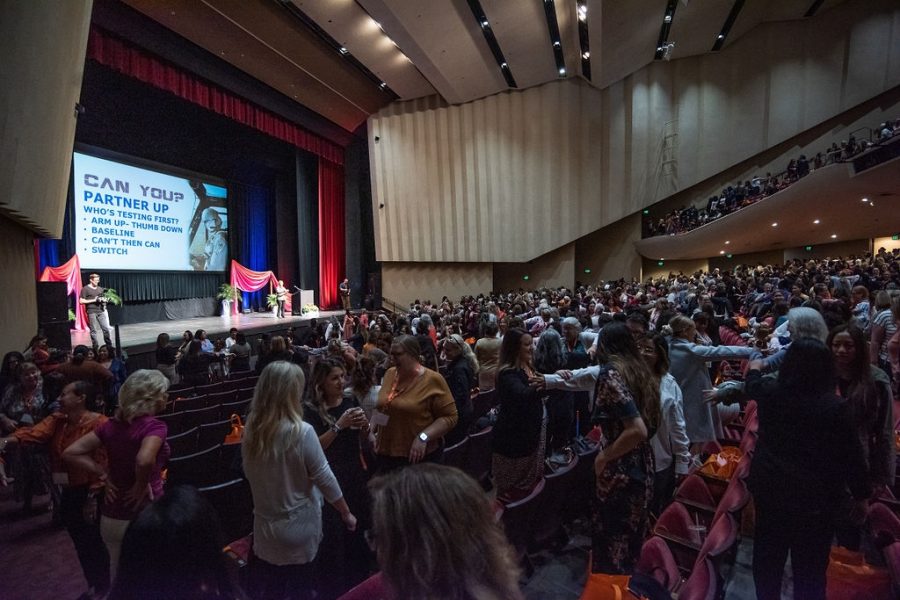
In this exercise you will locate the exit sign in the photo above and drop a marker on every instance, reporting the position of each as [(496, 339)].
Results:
[(807, 248)]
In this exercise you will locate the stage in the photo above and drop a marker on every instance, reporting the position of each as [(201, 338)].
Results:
[(138, 340)]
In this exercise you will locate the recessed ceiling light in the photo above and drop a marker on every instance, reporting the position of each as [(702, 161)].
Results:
[(865, 199), (503, 65), (774, 224), (383, 85), (556, 44), (816, 222), (727, 242), (833, 236), (562, 71), (721, 37), (343, 50), (485, 23), (668, 18), (585, 55), (721, 252)]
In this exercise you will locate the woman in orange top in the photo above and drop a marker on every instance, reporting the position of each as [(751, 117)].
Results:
[(79, 488), (415, 410)]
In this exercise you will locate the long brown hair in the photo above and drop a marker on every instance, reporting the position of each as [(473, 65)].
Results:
[(618, 348), (441, 552), (315, 398)]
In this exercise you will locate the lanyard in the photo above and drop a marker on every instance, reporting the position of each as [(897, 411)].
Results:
[(396, 392)]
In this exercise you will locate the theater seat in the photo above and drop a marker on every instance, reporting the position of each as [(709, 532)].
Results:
[(656, 561), (702, 583)]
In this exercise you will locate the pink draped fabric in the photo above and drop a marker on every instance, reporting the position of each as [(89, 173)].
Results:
[(70, 272), (249, 281)]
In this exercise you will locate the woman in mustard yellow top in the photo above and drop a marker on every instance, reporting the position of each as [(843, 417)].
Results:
[(415, 410)]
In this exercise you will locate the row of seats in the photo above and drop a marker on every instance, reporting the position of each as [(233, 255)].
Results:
[(695, 538), (237, 380), (185, 420)]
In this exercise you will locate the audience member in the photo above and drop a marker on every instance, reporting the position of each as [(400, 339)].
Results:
[(136, 448)]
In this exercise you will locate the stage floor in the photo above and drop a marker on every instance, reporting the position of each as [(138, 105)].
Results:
[(141, 337)]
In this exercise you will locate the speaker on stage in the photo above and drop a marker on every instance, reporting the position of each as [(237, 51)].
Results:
[(59, 335), (52, 302)]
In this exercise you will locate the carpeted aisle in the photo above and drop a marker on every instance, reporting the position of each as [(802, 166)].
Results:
[(37, 559)]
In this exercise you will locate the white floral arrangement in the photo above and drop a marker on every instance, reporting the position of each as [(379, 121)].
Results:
[(309, 309)]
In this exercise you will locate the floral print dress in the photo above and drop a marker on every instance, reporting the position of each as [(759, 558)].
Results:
[(620, 517)]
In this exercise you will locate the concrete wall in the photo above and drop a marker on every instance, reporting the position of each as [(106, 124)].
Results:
[(609, 252), (18, 311), (516, 175), (819, 251), (551, 270), (43, 46), (652, 270), (885, 242), (404, 282), (43, 43)]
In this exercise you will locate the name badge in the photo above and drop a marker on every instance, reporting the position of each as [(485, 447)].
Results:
[(379, 418), (60, 478)]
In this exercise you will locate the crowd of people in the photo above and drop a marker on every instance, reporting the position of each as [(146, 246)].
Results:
[(350, 417), (747, 192)]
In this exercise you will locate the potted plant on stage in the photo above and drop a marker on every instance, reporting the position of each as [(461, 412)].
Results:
[(228, 294), (111, 296), (272, 303)]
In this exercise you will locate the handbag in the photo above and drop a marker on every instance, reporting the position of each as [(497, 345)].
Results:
[(237, 431)]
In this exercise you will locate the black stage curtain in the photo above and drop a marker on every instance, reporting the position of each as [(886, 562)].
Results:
[(167, 310), (141, 287)]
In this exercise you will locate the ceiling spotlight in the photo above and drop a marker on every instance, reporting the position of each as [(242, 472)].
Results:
[(585, 55), (834, 236), (556, 44), (865, 199), (721, 36), (668, 19), (382, 85), (816, 222), (582, 12), (343, 50), (485, 23), (727, 242), (562, 71), (503, 65), (721, 252), (774, 224)]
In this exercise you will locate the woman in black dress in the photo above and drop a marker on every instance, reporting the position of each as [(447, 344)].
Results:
[(344, 557)]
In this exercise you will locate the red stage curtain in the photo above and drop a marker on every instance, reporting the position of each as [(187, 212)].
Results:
[(331, 231), (121, 56), (249, 281), (71, 274)]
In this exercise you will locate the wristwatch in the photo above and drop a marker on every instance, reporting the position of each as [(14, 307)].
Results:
[(336, 428), (423, 437)]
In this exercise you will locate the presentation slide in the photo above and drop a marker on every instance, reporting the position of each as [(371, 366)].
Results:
[(129, 218)]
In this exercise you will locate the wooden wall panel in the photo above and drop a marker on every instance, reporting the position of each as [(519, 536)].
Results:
[(516, 175), (43, 43)]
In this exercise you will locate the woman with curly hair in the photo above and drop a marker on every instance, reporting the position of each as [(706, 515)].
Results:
[(135, 442)]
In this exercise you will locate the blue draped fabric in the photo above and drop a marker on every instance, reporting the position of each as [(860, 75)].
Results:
[(256, 235)]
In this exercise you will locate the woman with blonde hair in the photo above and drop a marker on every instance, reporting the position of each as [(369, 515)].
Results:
[(462, 370), (136, 448), (288, 475), (440, 552)]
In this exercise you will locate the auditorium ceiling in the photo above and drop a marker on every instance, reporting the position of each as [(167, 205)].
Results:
[(346, 59)]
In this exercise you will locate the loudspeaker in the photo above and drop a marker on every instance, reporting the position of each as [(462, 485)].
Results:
[(52, 302), (59, 335)]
